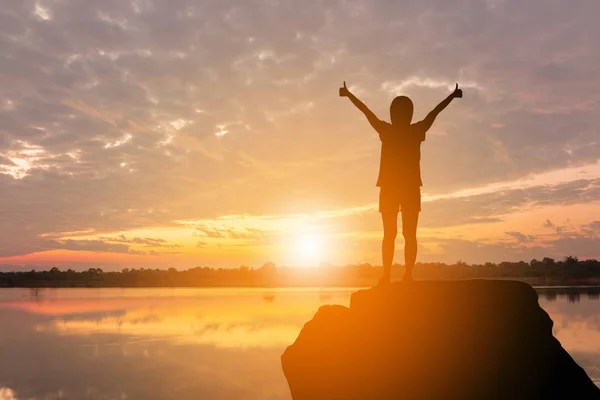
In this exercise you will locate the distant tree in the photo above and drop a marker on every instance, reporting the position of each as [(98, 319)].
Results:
[(95, 271), (568, 271), (244, 269), (268, 266), (534, 263), (570, 260), (548, 261)]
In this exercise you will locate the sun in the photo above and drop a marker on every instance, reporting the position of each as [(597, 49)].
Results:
[(308, 244), (308, 249)]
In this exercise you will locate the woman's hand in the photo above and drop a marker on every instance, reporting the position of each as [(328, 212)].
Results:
[(457, 92), (344, 92)]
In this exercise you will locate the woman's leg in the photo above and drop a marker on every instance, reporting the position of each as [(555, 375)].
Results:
[(390, 231), (410, 220)]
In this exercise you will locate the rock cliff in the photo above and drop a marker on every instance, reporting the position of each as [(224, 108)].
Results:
[(434, 340)]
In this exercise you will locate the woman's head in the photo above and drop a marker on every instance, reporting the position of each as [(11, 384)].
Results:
[(401, 111)]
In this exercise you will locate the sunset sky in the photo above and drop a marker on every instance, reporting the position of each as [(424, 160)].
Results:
[(155, 133)]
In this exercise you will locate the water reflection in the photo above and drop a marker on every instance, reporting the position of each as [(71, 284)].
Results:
[(151, 343), (226, 318), (269, 297), (550, 296), (193, 343), (572, 294)]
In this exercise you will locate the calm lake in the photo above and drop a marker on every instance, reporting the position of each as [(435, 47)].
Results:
[(192, 343)]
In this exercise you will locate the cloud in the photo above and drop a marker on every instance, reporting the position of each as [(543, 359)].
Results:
[(100, 129), (214, 232), (549, 224), (6, 162), (146, 242), (91, 245), (521, 238), (210, 232), (594, 226), (7, 394), (579, 242), (399, 87), (490, 207)]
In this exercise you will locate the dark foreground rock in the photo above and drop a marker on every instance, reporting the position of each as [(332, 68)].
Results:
[(435, 340)]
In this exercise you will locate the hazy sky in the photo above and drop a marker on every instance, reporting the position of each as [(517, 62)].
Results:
[(187, 132)]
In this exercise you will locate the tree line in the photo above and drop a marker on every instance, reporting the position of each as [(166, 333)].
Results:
[(568, 271)]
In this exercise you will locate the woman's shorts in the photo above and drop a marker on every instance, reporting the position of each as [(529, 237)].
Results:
[(405, 199)]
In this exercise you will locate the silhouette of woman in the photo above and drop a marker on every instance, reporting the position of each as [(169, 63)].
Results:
[(400, 173)]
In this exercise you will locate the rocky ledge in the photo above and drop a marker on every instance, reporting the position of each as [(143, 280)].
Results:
[(435, 340)]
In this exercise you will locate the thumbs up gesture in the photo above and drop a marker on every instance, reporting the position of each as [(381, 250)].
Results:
[(344, 92), (457, 92)]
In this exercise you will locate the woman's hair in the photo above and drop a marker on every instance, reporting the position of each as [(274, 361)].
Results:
[(401, 111)]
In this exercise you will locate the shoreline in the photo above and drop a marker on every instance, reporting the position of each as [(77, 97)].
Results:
[(340, 287)]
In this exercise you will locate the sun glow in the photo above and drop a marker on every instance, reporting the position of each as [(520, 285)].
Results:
[(308, 249)]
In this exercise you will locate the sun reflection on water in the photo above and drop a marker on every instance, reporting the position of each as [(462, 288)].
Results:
[(223, 318)]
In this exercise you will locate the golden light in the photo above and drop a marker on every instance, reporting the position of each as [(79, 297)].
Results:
[(308, 249)]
